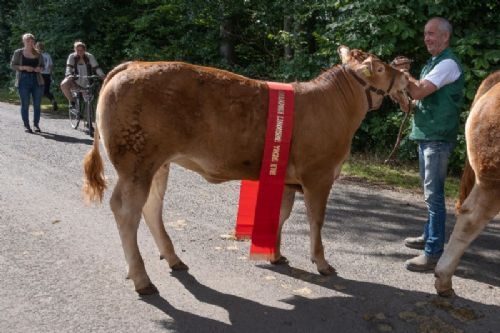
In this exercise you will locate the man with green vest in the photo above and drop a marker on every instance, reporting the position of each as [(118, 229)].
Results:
[(439, 95)]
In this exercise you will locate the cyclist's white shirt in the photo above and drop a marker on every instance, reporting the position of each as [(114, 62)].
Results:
[(445, 72), (82, 71)]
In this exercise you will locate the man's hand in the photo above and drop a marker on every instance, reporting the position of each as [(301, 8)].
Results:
[(402, 63)]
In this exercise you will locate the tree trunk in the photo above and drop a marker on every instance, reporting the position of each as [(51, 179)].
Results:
[(226, 46), (287, 27)]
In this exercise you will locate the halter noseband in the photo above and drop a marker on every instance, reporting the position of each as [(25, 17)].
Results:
[(369, 88)]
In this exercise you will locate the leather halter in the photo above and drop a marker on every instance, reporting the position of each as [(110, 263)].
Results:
[(369, 88)]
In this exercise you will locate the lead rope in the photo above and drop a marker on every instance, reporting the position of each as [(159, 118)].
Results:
[(400, 62), (390, 159)]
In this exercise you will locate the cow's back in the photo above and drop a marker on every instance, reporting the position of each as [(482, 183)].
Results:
[(208, 120)]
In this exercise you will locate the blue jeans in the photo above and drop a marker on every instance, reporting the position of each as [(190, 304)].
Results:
[(433, 164), (28, 86)]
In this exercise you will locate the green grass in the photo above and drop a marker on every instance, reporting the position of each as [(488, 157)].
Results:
[(9, 95), (373, 170)]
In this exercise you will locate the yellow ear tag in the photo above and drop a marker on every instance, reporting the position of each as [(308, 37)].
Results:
[(366, 72)]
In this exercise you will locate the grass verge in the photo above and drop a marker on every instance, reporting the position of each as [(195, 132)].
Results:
[(11, 96), (373, 170)]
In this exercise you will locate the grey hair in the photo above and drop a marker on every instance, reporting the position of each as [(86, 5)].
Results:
[(443, 24)]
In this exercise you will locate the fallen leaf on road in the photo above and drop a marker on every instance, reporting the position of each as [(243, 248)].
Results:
[(303, 291), (384, 327), (56, 221), (407, 315), (178, 225), (228, 236), (321, 279), (464, 314), (436, 325)]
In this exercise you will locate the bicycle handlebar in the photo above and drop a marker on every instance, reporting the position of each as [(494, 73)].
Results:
[(85, 76)]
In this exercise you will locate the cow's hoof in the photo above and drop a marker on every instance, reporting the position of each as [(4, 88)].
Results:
[(148, 290), (328, 271), (180, 266), (280, 261), (446, 293)]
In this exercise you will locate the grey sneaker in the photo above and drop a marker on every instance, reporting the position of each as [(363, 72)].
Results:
[(421, 263), (415, 242)]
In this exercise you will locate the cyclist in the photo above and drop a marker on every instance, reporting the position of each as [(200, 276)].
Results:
[(79, 63)]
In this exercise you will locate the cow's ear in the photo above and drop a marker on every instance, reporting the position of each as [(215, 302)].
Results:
[(365, 70), (344, 53)]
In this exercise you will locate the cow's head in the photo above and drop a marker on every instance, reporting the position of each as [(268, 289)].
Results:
[(377, 77)]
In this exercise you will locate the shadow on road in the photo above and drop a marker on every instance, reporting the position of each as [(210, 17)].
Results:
[(389, 309), (386, 220), (65, 138)]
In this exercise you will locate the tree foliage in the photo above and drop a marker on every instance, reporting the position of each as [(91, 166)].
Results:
[(275, 40)]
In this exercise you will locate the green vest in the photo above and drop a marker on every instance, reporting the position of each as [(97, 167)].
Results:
[(437, 115)]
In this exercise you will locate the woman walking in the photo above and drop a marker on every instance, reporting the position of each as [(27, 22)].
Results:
[(28, 64)]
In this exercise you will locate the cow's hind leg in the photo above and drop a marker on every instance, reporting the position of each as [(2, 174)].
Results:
[(285, 210), (315, 198), (126, 203), (153, 215), (478, 209)]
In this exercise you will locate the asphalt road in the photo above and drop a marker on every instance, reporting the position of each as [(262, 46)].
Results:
[(62, 267)]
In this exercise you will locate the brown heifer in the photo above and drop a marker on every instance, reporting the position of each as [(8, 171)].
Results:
[(213, 122), (479, 199)]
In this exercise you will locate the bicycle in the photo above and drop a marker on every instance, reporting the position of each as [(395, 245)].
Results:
[(84, 106)]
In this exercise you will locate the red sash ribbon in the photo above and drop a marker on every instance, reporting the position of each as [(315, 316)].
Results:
[(260, 201)]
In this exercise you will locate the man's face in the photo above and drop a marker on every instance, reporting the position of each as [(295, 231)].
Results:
[(435, 40), (80, 51)]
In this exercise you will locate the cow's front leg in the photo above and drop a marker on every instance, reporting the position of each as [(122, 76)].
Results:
[(126, 203), (315, 198), (153, 211), (285, 210), (478, 209)]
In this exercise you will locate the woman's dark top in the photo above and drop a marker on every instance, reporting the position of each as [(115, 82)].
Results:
[(32, 62)]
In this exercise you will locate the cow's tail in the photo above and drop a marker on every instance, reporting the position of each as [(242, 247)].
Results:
[(466, 184), (94, 182)]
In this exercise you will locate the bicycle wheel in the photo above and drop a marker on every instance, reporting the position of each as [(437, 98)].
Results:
[(75, 114)]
